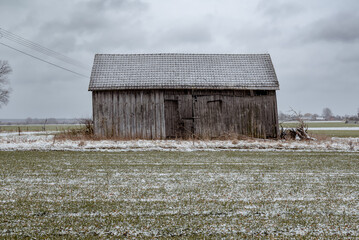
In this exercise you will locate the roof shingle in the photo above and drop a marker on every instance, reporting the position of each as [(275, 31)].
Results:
[(183, 71)]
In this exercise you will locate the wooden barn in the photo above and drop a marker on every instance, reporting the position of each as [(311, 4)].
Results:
[(167, 96)]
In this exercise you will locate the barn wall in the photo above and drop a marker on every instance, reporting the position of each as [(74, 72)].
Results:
[(221, 113), (160, 114), (129, 114)]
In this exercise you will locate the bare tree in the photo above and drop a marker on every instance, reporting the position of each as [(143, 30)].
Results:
[(327, 113), (5, 70)]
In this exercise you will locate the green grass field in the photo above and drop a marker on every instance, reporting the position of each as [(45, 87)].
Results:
[(320, 124), (327, 133), (335, 133), (38, 128), (193, 195)]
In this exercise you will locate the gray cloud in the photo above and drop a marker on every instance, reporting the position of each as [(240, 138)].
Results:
[(114, 5), (187, 34), (98, 23), (313, 44), (263, 36), (341, 27), (349, 56), (279, 10)]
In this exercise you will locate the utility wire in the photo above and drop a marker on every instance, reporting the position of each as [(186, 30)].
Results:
[(39, 48), (34, 46), (66, 69), (50, 54)]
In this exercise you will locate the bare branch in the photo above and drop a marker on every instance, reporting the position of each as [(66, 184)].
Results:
[(5, 70), (301, 131)]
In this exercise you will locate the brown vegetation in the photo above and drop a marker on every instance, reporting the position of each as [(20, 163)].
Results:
[(83, 133)]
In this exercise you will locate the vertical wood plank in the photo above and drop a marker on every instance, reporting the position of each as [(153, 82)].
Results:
[(133, 115), (143, 115), (109, 97), (158, 117), (121, 118), (102, 114), (152, 115), (162, 116), (115, 113), (147, 129), (95, 113), (127, 115)]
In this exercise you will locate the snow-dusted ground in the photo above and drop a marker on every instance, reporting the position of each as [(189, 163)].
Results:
[(42, 141), (175, 195)]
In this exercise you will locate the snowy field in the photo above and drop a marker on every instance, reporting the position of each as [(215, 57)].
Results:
[(179, 194), (45, 142)]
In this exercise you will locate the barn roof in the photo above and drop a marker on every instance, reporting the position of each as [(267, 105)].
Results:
[(183, 71)]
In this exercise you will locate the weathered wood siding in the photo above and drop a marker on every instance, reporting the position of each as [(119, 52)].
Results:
[(225, 114), (160, 114), (129, 114)]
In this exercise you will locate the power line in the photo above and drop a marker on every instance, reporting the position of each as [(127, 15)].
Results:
[(34, 46), (63, 68), (45, 52)]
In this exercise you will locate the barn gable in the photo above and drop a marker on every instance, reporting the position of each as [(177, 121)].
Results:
[(159, 96)]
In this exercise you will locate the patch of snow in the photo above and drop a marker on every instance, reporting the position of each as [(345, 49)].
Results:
[(5, 134), (34, 141)]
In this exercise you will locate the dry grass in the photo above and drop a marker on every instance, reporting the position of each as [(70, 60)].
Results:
[(85, 132), (74, 135), (320, 136)]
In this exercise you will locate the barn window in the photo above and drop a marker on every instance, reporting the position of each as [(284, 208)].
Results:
[(260, 92)]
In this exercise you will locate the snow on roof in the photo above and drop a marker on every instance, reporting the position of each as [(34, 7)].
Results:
[(183, 71)]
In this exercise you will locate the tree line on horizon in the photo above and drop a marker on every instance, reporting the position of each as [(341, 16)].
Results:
[(327, 115)]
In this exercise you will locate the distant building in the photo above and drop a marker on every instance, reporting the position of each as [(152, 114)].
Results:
[(166, 96)]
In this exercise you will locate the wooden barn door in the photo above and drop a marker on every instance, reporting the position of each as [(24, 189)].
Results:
[(186, 115), (193, 115), (208, 116), (178, 114), (171, 118)]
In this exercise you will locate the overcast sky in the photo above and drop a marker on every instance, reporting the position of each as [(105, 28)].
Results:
[(314, 46)]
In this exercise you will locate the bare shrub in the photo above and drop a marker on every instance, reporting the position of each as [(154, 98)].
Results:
[(88, 123), (84, 133), (5, 70), (300, 131)]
